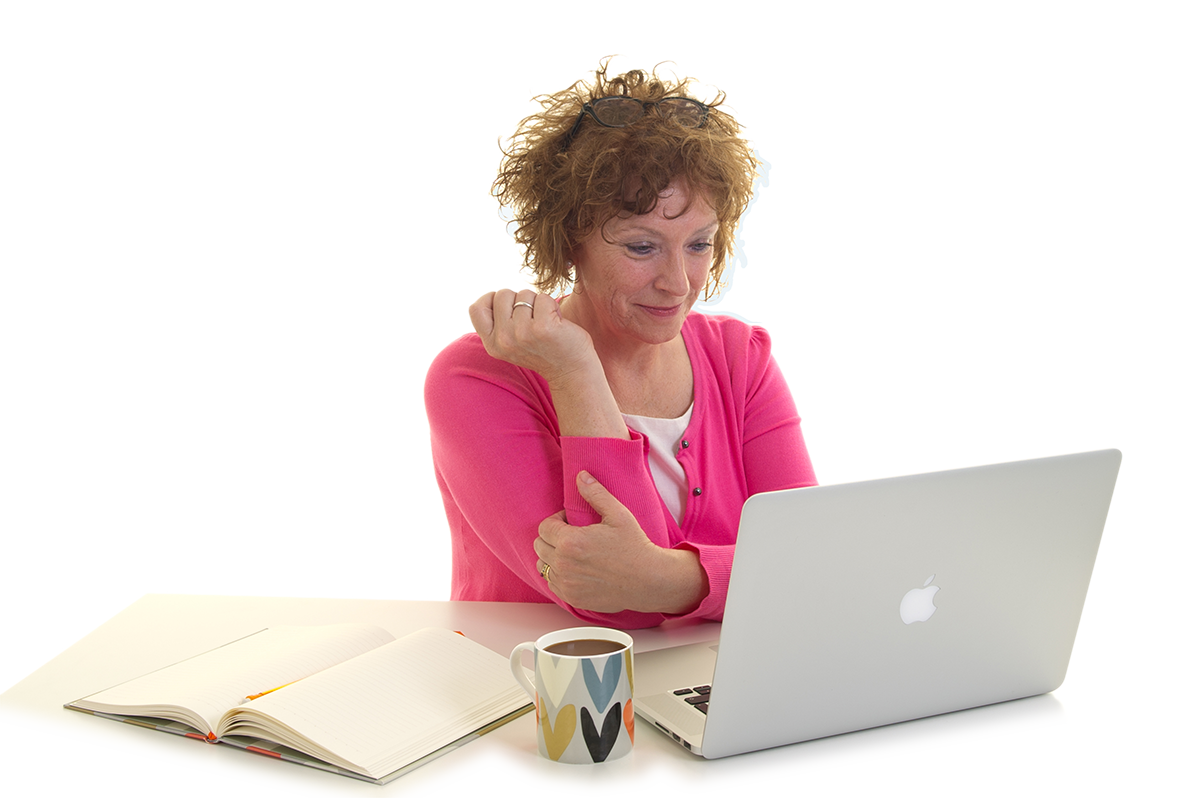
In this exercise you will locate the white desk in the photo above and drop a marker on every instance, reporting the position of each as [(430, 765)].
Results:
[(1083, 736)]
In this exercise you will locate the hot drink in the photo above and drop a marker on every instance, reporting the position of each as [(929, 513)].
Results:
[(584, 648)]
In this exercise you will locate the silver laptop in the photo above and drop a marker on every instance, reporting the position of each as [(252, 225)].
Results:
[(859, 605)]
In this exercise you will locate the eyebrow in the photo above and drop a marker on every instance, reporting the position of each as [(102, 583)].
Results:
[(637, 228)]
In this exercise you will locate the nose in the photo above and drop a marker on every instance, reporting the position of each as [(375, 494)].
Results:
[(672, 275)]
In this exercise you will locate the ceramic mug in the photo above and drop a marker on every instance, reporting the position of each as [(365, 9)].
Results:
[(582, 691)]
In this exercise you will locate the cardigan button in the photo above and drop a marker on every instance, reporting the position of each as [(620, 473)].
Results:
[(684, 444), (696, 491)]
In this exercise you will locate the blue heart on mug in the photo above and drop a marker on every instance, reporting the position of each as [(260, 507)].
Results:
[(601, 689)]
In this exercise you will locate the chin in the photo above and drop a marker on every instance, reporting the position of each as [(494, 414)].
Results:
[(661, 333)]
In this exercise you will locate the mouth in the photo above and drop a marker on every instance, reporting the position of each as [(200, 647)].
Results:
[(662, 312)]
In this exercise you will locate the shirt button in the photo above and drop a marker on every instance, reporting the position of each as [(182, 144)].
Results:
[(696, 491)]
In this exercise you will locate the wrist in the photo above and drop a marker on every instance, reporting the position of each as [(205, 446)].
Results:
[(583, 370), (680, 583), (585, 404)]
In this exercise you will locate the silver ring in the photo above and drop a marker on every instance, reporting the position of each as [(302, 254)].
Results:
[(526, 304)]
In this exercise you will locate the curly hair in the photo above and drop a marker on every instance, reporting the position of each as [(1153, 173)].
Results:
[(561, 189)]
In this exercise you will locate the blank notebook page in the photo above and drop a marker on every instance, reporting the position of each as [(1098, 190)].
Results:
[(217, 680), (399, 701)]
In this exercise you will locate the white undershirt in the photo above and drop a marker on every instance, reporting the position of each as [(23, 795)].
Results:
[(664, 435)]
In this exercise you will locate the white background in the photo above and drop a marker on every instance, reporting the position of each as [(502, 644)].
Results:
[(233, 236)]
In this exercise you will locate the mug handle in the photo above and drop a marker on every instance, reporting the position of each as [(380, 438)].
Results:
[(518, 670)]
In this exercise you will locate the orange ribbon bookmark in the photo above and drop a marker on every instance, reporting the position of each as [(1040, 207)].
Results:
[(264, 692)]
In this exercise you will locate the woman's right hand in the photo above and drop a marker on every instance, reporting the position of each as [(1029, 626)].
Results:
[(556, 348), (536, 338)]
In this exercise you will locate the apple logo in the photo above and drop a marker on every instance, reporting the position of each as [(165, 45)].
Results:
[(917, 604)]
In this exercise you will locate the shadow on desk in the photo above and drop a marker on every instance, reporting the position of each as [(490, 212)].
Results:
[(1011, 749)]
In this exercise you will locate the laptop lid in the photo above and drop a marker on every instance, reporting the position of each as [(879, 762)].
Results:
[(996, 559)]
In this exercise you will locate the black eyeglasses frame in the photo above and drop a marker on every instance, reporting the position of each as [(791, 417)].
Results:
[(589, 110)]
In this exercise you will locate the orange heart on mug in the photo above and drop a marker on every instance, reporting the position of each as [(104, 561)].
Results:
[(629, 719)]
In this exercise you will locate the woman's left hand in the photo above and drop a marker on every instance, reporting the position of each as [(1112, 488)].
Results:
[(612, 566)]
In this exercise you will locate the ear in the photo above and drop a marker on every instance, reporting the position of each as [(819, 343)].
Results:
[(572, 284)]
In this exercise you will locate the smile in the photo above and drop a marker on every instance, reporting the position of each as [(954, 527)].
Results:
[(661, 312)]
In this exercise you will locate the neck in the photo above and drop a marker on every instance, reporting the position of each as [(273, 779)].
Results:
[(646, 379), (618, 354)]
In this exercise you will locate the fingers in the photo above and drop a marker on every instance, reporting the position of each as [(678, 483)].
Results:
[(545, 549), (502, 317), (482, 315), (603, 502), (549, 532), (527, 329), (508, 304), (579, 564), (547, 573), (524, 302)]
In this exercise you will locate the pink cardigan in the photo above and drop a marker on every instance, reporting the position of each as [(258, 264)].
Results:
[(502, 467)]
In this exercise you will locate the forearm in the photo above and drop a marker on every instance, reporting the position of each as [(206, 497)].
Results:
[(585, 404)]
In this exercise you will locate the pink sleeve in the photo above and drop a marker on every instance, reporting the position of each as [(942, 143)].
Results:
[(717, 562), (774, 457), (498, 454), (773, 450), (620, 466)]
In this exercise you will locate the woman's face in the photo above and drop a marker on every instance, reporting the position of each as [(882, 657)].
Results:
[(638, 276)]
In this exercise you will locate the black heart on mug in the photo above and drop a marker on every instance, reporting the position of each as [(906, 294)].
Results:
[(600, 745)]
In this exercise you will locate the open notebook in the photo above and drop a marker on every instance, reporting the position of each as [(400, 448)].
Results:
[(347, 698)]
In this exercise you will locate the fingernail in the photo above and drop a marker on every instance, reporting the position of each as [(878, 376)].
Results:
[(586, 478)]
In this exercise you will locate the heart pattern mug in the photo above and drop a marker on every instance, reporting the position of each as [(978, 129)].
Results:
[(583, 691)]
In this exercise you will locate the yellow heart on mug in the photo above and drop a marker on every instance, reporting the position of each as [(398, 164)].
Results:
[(558, 737)]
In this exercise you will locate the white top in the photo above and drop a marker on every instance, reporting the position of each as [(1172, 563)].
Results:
[(664, 435)]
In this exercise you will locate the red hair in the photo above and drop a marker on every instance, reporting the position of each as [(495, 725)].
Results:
[(559, 194)]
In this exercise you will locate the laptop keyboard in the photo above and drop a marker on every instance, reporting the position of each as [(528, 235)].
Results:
[(695, 696)]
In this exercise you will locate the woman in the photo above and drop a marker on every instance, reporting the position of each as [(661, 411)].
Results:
[(596, 450)]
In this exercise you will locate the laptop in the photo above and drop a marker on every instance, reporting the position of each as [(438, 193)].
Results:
[(859, 605)]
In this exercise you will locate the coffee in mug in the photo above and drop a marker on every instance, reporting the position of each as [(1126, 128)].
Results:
[(584, 648)]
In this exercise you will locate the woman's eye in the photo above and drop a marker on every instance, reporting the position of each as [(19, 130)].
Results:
[(702, 246), (639, 249)]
